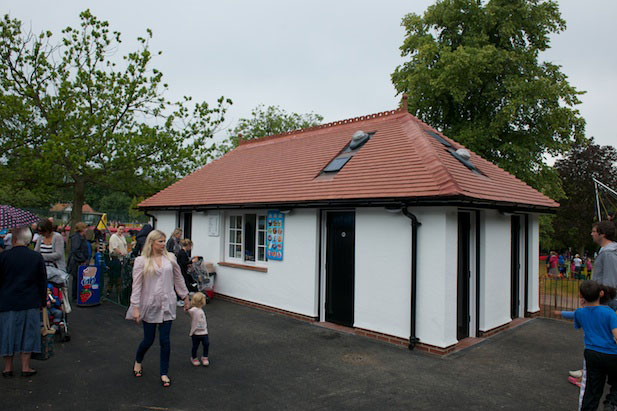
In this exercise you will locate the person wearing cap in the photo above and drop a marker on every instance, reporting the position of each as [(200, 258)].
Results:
[(578, 265)]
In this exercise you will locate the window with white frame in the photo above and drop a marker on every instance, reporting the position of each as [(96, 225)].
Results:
[(235, 236), (261, 238), (247, 237)]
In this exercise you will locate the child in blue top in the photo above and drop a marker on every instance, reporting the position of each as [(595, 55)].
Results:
[(53, 305), (599, 323)]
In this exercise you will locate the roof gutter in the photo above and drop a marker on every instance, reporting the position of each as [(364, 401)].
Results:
[(453, 201), (413, 340)]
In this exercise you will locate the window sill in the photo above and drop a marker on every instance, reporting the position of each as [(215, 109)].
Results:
[(243, 266)]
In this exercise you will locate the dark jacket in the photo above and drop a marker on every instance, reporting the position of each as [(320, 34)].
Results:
[(140, 239), (173, 245), (183, 261), (23, 280), (79, 252)]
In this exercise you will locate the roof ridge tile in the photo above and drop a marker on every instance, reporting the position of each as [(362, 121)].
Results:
[(346, 121), (449, 184)]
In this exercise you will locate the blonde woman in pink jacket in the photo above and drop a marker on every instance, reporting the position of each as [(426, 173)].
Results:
[(153, 299)]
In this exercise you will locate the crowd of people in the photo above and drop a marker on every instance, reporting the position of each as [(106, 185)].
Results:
[(160, 283), (564, 264)]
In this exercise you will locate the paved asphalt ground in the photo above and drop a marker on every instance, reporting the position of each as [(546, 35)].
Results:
[(267, 361)]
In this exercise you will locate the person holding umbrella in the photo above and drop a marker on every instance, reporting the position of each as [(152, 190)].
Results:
[(23, 291), (11, 217)]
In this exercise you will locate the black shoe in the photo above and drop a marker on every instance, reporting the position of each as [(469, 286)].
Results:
[(28, 373), (7, 374)]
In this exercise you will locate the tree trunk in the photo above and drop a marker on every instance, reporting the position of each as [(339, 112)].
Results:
[(78, 201)]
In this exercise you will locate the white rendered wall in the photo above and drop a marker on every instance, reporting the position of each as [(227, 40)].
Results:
[(290, 284), (204, 245), (495, 275), (165, 221), (382, 271), (533, 303), (437, 275)]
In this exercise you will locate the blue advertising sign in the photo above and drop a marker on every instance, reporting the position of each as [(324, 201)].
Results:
[(276, 235), (88, 285)]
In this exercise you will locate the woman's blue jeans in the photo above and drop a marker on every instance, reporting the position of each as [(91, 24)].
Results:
[(149, 333)]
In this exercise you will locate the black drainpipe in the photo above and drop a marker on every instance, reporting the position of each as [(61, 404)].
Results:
[(153, 219), (413, 340)]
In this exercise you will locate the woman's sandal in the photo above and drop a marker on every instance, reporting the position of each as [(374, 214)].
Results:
[(138, 373), (166, 383)]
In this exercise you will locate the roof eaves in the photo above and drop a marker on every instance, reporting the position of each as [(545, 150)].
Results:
[(179, 181), (432, 201)]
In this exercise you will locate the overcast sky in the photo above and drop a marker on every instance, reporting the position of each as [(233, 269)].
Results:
[(329, 57)]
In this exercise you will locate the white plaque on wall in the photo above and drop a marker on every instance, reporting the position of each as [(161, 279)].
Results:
[(213, 225)]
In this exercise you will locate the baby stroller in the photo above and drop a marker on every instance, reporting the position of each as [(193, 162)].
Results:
[(58, 284), (203, 276)]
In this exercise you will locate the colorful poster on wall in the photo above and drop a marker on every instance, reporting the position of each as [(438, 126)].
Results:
[(276, 235)]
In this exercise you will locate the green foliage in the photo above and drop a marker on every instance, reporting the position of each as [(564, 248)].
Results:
[(74, 115), (576, 214), (267, 121), (473, 72), (548, 241), (134, 213), (114, 202)]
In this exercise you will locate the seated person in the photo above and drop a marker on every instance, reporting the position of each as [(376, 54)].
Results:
[(53, 305)]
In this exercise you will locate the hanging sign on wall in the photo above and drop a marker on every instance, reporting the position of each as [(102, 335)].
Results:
[(276, 235)]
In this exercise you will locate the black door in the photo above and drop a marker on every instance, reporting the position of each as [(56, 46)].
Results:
[(188, 224), (515, 266), (340, 256), (463, 270)]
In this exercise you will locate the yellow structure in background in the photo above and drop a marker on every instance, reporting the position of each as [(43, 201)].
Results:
[(102, 225)]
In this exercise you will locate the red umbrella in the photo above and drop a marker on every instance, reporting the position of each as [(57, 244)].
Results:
[(11, 217)]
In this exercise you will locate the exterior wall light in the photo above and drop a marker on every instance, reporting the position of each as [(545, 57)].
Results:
[(394, 209)]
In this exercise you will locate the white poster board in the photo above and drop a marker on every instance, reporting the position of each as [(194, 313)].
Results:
[(213, 225)]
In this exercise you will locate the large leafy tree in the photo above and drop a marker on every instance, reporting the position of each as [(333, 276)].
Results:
[(473, 71), (75, 114), (577, 213), (267, 121)]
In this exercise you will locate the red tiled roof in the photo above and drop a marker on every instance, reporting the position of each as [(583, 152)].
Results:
[(399, 161), (60, 207)]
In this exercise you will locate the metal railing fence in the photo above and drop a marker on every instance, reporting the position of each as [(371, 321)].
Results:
[(560, 292)]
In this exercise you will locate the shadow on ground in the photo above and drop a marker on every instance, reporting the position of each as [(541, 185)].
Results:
[(261, 360)]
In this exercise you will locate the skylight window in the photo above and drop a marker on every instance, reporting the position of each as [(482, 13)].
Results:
[(461, 154), (438, 138), (336, 164), (464, 157), (357, 141)]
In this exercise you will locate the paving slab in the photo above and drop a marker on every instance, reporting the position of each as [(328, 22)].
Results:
[(262, 360)]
